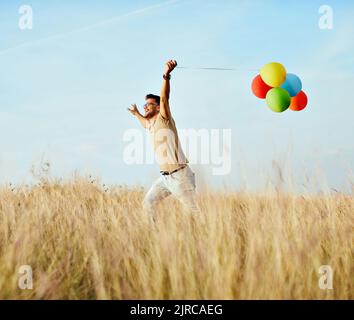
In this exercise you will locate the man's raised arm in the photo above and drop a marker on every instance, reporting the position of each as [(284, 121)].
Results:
[(165, 91)]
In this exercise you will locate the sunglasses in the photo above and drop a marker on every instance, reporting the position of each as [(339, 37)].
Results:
[(150, 104)]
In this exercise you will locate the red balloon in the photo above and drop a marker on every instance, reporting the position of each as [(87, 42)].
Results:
[(260, 88), (299, 102)]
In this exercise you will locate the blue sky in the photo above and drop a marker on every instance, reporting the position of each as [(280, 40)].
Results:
[(66, 84)]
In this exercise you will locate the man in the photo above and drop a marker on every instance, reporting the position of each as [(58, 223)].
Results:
[(176, 178)]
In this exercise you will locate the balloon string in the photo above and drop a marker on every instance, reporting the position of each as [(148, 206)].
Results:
[(215, 69)]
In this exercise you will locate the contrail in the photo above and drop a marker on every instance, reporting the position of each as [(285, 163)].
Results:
[(92, 26)]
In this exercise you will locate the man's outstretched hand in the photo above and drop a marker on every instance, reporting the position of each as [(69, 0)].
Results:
[(170, 66), (133, 110)]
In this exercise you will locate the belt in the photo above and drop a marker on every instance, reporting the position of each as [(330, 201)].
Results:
[(166, 173)]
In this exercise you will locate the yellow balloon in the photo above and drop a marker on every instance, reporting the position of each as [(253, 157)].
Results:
[(273, 74)]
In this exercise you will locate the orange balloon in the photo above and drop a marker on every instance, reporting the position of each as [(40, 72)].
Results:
[(260, 88), (299, 102)]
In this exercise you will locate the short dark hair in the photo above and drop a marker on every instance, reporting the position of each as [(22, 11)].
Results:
[(152, 96)]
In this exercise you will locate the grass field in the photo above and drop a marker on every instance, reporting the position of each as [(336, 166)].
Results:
[(84, 242)]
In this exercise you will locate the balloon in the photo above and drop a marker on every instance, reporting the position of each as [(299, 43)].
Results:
[(292, 84), (273, 74), (278, 99), (260, 88), (299, 102)]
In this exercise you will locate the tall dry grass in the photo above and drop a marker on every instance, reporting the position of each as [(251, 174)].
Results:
[(85, 243)]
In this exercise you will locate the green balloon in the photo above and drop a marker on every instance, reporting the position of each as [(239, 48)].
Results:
[(278, 99)]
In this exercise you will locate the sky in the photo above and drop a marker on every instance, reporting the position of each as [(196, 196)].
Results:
[(65, 86)]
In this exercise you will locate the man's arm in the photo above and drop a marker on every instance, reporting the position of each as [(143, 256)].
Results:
[(165, 91), (135, 112)]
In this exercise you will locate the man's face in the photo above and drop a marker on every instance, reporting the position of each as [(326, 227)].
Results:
[(151, 108)]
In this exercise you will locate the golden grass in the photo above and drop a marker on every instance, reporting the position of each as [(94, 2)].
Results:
[(84, 243)]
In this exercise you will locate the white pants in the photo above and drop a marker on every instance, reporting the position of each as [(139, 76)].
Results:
[(180, 184)]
